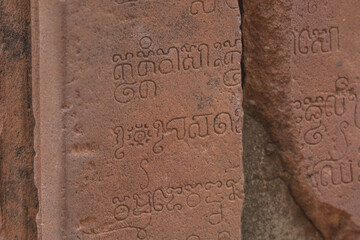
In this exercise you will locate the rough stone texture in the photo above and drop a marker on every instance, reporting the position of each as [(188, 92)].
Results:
[(269, 210), (302, 83), (18, 200), (138, 108)]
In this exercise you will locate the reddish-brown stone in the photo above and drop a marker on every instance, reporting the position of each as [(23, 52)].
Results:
[(302, 80), (138, 108), (18, 200)]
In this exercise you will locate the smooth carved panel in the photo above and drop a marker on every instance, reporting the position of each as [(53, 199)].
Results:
[(140, 129)]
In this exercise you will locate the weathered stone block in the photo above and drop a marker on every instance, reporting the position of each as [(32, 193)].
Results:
[(138, 108), (302, 81)]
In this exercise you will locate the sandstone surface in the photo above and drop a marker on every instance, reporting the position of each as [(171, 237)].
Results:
[(138, 108), (302, 82)]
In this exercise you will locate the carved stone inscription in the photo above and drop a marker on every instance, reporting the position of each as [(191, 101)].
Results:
[(330, 125), (152, 120), (326, 101)]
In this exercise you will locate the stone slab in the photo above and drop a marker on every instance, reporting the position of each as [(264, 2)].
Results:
[(326, 102), (138, 108), (302, 82)]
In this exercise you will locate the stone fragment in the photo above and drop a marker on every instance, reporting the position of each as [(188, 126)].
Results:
[(138, 108), (302, 81), (18, 200)]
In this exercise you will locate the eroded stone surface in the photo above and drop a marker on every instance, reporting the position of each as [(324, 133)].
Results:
[(269, 211), (139, 119), (18, 200), (326, 102), (302, 81)]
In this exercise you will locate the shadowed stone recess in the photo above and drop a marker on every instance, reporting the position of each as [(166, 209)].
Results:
[(270, 211)]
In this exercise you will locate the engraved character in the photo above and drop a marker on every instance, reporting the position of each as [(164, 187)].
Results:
[(215, 192), (143, 204), (147, 89), (177, 125), (159, 126), (304, 37), (172, 61), (235, 187), (217, 217), (124, 93), (200, 127), (160, 199), (175, 202), (146, 67), (121, 212), (193, 198), (123, 71), (223, 122)]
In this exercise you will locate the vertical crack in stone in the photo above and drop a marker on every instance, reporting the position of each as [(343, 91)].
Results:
[(270, 210)]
